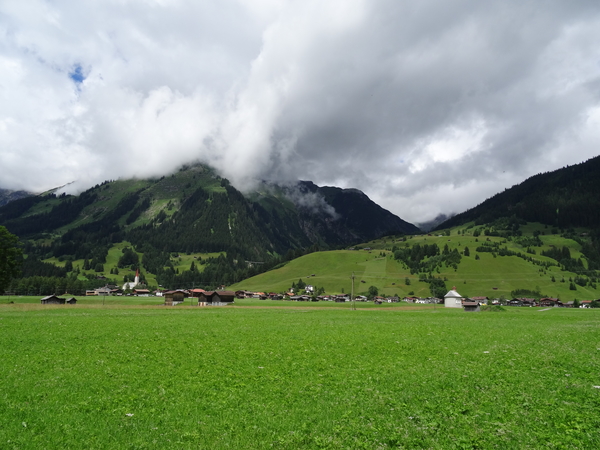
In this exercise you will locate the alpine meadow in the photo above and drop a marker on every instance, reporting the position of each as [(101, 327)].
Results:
[(298, 377)]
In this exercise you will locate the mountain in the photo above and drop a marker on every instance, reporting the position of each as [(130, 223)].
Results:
[(334, 216), (7, 196), (430, 225), (567, 197), (191, 212)]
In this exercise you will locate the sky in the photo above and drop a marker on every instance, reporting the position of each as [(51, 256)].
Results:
[(428, 107)]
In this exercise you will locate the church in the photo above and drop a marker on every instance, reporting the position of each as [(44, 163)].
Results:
[(131, 284)]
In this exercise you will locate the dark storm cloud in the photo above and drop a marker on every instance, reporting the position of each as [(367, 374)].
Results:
[(429, 107)]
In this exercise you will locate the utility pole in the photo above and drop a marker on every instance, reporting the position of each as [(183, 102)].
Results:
[(352, 293)]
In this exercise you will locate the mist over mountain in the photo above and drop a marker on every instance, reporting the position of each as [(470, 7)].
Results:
[(431, 224), (7, 195)]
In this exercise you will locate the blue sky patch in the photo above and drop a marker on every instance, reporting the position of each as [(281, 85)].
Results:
[(77, 74)]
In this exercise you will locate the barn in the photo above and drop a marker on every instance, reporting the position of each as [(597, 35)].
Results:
[(216, 298), (471, 306), (173, 298), (53, 300)]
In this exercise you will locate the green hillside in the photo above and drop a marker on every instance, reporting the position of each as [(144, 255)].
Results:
[(479, 274), (188, 229)]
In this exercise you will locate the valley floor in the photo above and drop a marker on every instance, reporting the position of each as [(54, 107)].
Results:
[(93, 376)]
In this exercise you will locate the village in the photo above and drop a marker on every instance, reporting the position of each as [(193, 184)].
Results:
[(222, 297)]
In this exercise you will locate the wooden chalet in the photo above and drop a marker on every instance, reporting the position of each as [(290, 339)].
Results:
[(55, 300), (528, 301), (552, 302), (223, 297), (216, 298), (175, 297), (141, 292), (471, 306), (244, 294)]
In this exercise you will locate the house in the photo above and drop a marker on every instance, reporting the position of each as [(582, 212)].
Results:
[(244, 294), (453, 299), (480, 300), (173, 298), (55, 300), (471, 306), (141, 292), (528, 301), (103, 291), (220, 298), (216, 298), (196, 292), (52, 300), (515, 302), (550, 302)]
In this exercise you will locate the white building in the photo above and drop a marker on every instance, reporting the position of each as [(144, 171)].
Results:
[(134, 283), (453, 299)]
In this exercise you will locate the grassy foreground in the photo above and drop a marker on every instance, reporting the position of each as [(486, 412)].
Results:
[(238, 377)]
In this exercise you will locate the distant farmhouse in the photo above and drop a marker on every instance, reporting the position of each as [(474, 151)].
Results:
[(216, 298), (54, 300), (175, 297)]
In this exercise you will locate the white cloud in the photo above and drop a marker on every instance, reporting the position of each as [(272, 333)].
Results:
[(428, 107)]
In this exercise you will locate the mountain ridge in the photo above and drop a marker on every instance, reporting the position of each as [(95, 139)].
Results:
[(195, 211), (566, 197)]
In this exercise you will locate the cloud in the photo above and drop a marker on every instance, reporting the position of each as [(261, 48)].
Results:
[(429, 108)]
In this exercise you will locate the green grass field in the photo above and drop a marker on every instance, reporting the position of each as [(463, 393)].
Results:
[(93, 376)]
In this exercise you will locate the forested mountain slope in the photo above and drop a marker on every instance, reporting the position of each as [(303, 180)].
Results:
[(193, 211), (568, 197)]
